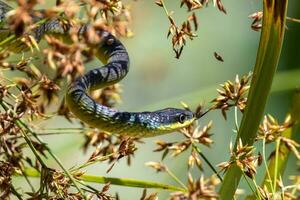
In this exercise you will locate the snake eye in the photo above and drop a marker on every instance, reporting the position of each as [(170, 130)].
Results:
[(182, 118)]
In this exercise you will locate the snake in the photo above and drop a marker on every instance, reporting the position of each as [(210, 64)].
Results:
[(113, 54)]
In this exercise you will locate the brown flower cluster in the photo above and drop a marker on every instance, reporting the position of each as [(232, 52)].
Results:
[(66, 59), (289, 192), (111, 15), (110, 147), (233, 94), (48, 88), (196, 4), (58, 183), (198, 189), (270, 131), (152, 196), (108, 96), (191, 4), (29, 102), (187, 30), (159, 167), (181, 33), (6, 171), (256, 17), (193, 136), (20, 20), (243, 157)]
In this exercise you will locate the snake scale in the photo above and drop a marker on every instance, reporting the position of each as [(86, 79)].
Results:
[(115, 57)]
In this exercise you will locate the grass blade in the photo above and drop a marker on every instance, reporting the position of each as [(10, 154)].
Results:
[(31, 172)]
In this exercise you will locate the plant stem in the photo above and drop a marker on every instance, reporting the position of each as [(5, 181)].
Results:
[(276, 164), (15, 192), (266, 167), (266, 63), (207, 162), (164, 7), (31, 172), (293, 19), (88, 163), (168, 171), (236, 119), (250, 186), (27, 180)]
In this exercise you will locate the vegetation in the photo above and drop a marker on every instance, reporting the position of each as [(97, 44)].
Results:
[(35, 95)]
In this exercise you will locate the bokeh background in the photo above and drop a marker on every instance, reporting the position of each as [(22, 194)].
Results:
[(157, 80)]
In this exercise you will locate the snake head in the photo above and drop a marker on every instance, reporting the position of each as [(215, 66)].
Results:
[(172, 119)]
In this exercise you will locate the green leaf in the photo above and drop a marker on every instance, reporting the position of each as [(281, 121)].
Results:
[(266, 63), (31, 172)]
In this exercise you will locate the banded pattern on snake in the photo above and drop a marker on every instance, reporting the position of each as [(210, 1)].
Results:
[(115, 57)]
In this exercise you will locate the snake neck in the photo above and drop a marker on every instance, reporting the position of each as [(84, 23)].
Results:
[(111, 51)]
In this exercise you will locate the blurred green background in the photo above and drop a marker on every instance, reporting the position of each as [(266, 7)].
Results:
[(157, 80)]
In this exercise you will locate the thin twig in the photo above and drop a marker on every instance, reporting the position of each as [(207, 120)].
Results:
[(293, 19), (168, 171), (207, 162)]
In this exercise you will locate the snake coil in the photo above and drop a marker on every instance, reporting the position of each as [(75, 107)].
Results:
[(111, 52)]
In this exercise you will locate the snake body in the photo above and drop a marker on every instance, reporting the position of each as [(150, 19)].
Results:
[(115, 57)]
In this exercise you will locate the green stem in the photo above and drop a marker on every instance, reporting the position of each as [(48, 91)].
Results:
[(276, 164), (15, 192), (10, 38), (256, 187), (268, 176), (165, 8), (266, 63), (207, 162), (27, 179), (236, 119), (168, 171), (99, 159), (250, 186), (31, 146), (31, 172)]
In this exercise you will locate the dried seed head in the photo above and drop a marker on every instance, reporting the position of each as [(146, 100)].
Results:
[(270, 129), (218, 57), (152, 196), (243, 157), (159, 167), (198, 189), (191, 4), (233, 94), (257, 17), (108, 96)]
